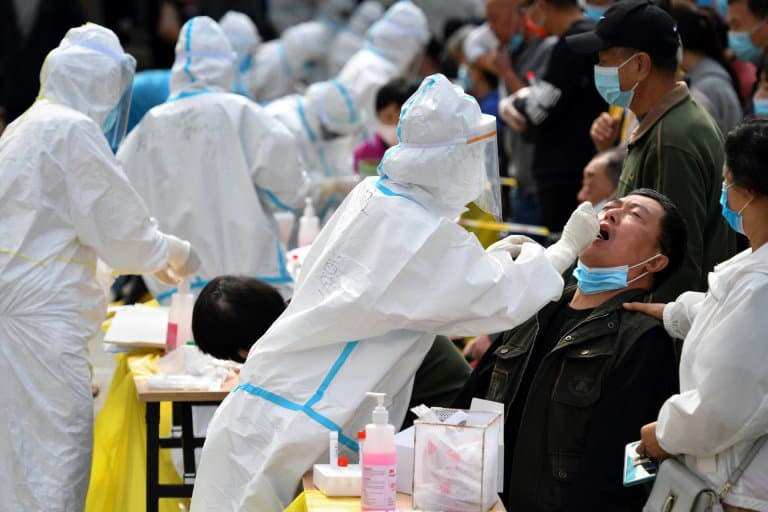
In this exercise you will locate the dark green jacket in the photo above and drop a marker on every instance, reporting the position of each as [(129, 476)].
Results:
[(678, 150), (544, 460)]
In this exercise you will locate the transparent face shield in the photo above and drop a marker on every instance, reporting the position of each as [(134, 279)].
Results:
[(483, 185), (115, 124)]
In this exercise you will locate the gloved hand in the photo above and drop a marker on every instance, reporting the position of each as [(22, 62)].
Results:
[(182, 261), (512, 244), (579, 232), (509, 113)]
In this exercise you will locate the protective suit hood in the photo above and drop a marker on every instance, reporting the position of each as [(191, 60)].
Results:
[(204, 58), (400, 35), (432, 123), (87, 71), (241, 32), (330, 103), (305, 43), (364, 16)]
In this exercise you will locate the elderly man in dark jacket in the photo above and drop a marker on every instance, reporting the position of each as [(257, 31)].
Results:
[(581, 377)]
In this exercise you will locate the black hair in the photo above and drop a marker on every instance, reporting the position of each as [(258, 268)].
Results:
[(758, 7), (673, 234), (614, 163), (699, 32), (563, 4), (746, 154), (395, 92), (231, 313)]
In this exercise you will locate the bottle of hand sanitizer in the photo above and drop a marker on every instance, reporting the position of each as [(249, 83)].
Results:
[(309, 224), (379, 461)]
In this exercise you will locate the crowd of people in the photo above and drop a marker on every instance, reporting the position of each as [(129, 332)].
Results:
[(633, 132)]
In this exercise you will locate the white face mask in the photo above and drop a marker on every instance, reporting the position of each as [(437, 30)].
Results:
[(388, 133)]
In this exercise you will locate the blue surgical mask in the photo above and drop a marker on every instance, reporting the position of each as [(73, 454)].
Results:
[(609, 87), (760, 106), (596, 280), (704, 3), (733, 218), (743, 48), (515, 42), (464, 79), (594, 12)]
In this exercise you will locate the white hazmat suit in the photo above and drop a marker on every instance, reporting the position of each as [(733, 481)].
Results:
[(323, 122), (352, 37), (245, 39), (393, 43), (64, 201), (207, 161), (283, 64), (389, 270)]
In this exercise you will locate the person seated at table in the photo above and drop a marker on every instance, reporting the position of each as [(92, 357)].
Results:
[(233, 312), (580, 377)]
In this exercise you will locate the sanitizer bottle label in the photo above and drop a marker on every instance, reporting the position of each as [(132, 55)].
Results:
[(379, 486)]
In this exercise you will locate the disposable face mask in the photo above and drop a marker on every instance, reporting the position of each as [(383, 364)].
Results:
[(760, 106), (464, 79), (596, 280), (741, 44), (594, 12), (609, 87), (733, 218), (515, 42), (388, 133)]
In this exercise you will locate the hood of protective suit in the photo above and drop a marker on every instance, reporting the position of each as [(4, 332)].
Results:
[(305, 43), (364, 16), (241, 32), (331, 104), (336, 10), (88, 71), (480, 41), (400, 35), (434, 124), (204, 57)]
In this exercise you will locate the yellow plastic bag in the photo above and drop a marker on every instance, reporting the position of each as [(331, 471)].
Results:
[(316, 501), (119, 468)]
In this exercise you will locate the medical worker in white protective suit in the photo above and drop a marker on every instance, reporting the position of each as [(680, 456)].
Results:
[(389, 270), (245, 39), (208, 162), (64, 201), (323, 122), (394, 44), (282, 65), (351, 38)]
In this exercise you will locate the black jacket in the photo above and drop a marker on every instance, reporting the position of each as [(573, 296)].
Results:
[(603, 380)]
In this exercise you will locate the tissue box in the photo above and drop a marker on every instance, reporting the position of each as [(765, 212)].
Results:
[(456, 466), (404, 447)]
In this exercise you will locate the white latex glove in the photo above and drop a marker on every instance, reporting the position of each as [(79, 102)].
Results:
[(182, 259), (512, 244), (509, 113), (579, 232)]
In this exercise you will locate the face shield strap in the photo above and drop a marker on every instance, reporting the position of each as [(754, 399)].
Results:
[(483, 137)]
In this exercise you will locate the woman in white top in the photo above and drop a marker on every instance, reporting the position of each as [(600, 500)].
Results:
[(722, 407)]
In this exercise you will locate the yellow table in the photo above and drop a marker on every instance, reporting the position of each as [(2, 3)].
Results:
[(312, 500)]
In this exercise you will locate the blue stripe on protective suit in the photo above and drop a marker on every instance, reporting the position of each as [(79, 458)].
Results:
[(391, 193), (282, 278), (307, 407), (347, 99), (426, 85), (187, 47)]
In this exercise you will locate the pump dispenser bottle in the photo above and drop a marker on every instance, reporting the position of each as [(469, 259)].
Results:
[(379, 461), (309, 224)]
